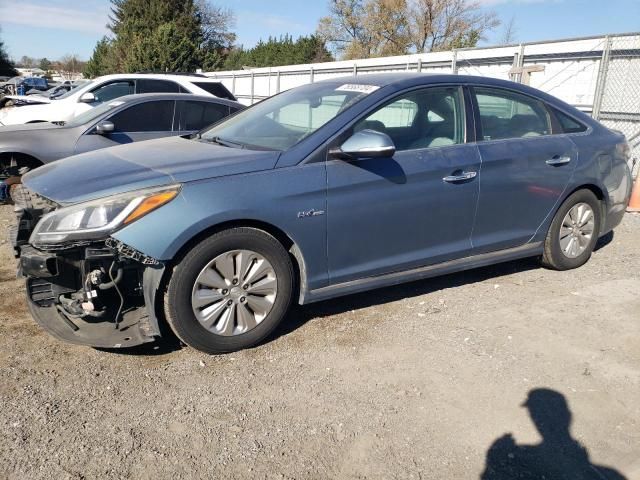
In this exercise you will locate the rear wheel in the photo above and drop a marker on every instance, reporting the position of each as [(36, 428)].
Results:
[(574, 232), (230, 291)]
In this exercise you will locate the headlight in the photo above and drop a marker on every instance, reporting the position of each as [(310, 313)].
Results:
[(97, 219)]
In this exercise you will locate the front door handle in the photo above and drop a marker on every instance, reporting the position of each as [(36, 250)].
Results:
[(461, 177), (558, 160)]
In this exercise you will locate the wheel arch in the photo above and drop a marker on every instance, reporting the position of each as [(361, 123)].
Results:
[(600, 194), (280, 235), (27, 159)]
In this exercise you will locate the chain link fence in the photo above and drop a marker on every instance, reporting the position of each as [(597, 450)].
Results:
[(599, 75), (617, 100)]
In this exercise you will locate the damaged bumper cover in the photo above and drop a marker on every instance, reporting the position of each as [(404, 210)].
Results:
[(100, 295)]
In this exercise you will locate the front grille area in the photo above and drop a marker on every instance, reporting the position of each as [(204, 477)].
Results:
[(41, 292)]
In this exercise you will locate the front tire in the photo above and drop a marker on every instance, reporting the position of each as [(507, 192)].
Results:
[(230, 291), (574, 232)]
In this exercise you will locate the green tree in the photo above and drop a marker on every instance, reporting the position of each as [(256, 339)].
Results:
[(276, 52), (163, 35), (45, 64), (6, 67), (99, 63)]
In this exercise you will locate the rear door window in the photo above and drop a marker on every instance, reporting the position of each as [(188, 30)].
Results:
[(196, 115), (156, 116), (505, 114), (156, 86)]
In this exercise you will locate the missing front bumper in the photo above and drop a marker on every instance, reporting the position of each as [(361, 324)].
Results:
[(125, 310)]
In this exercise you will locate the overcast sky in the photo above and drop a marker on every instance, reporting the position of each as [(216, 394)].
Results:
[(52, 28)]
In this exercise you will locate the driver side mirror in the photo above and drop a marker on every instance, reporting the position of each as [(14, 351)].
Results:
[(88, 98), (365, 144), (105, 128)]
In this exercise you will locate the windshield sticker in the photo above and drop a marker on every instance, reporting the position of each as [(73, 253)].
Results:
[(356, 87), (116, 104)]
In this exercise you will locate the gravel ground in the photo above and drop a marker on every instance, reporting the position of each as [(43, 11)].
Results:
[(416, 381)]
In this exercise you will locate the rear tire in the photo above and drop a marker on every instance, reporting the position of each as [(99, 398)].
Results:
[(574, 232), (230, 291)]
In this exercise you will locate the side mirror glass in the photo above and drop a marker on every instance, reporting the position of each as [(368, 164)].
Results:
[(104, 128), (88, 97), (365, 144)]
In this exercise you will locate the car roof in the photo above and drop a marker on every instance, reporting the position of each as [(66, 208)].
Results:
[(158, 76), (142, 97)]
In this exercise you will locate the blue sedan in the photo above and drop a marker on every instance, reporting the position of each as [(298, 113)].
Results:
[(324, 190)]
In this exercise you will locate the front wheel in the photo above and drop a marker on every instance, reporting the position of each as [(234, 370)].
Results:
[(574, 232), (230, 291)]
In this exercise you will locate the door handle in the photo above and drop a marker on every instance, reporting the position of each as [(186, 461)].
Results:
[(460, 178), (558, 160)]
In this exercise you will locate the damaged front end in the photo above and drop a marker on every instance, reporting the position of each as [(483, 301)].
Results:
[(83, 286)]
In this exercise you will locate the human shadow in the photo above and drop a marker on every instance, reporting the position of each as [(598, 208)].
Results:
[(557, 457)]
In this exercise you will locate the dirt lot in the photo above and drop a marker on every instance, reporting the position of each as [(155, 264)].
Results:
[(417, 381)]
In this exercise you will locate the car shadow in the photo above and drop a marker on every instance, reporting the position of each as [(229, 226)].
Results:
[(302, 314), (558, 456)]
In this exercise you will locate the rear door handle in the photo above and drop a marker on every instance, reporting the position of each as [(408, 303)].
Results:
[(460, 178), (558, 160)]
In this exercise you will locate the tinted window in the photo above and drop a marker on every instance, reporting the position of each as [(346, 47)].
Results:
[(198, 115), (113, 90), (428, 118), (215, 88), (156, 86), (568, 124), (154, 116), (505, 114)]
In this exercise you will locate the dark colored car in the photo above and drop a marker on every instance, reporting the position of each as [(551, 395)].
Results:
[(328, 189), (128, 119)]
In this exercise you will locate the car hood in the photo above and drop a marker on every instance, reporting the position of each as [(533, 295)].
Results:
[(140, 165), (28, 127), (36, 98)]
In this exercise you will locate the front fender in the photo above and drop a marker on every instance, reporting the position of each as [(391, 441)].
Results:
[(273, 197)]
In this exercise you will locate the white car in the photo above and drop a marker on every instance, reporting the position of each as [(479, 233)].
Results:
[(107, 88)]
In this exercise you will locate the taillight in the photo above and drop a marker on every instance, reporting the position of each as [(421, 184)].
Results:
[(624, 150)]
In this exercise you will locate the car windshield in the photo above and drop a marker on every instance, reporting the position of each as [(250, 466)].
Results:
[(280, 122), (92, 114), (71, 92)]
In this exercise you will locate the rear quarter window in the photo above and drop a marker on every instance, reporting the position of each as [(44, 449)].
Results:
[(215, 88), (568, 124)]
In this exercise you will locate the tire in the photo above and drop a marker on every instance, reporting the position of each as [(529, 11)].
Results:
[(557, 257), (252, 321)]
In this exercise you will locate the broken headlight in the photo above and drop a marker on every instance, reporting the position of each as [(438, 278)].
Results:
[(97, 219)]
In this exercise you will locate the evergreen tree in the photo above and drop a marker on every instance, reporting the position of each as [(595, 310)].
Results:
[(6, 67), (163, 35), (276, 52), (99, 63)]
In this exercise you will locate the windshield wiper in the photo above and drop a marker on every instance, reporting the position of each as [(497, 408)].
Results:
[(225, 143)]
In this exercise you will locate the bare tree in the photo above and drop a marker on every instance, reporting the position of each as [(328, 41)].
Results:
[(344, 29), (216, 24), (70, 65), (509, 32), (444, 24), (366, 28)]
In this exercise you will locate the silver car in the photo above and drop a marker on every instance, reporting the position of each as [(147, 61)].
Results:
[(128, 119)]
